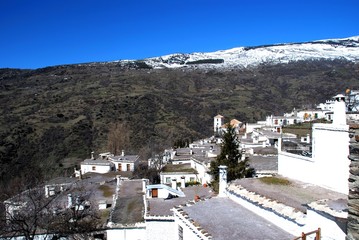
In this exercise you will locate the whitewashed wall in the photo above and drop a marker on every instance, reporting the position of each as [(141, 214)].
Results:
[(203, 176), (296, 167), (329, 229), (124, 166), (330, 151), (251, 126), (311, 114), (161, 230), (126, 234), (99, 169), (177, 176), (188, 229), (329, 165), (163, 193)]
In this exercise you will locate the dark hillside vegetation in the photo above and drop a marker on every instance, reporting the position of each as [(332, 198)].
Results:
[(52, 118)]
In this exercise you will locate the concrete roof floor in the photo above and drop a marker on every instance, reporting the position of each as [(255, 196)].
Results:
[(297, 194), (162, 207), (225, 219), (129, 205)]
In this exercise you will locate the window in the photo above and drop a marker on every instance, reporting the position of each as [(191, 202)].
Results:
[(93, 168), (180, 233), (168, 179), (191, 179)]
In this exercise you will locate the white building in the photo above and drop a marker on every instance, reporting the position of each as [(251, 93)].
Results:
[(277, 122), (96, 165), (126, 163), (197, 157), (329, 165)]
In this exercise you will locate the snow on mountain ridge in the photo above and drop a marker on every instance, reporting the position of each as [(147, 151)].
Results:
[(345, 48)]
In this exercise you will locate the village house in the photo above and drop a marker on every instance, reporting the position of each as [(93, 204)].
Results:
[(96, 166), (315, 199), (108, 162), (322, 111), (177, 172), (191, 163), (277, 122), (125, 162)]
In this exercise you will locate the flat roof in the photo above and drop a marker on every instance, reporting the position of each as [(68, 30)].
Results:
[(99, 162), (224, 219), (126, 158), (297, 194), (178, 168), (264, 163), (129, 204), (162, 207)]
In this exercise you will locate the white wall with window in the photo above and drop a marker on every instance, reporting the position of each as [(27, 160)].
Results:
[(166, 178), (85, 168)]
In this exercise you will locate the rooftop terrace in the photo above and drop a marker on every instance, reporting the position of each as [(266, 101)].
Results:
[(129, 206), (162, 207), (173, 168), (225, 219), (296, 194)]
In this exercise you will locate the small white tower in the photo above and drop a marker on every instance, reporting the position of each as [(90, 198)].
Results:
[(222, 181), (218, 122)]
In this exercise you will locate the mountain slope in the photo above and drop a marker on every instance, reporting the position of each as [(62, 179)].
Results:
[(52, 118), (243, 57)]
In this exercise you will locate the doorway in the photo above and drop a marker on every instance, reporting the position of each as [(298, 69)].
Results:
[(154, 192)]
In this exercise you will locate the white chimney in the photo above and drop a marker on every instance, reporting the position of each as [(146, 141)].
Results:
[(118, 178), (174, 184), (69, 200), (222, 181), (339, 115), (93, 155), (46, 191), (123, 153), (183, 184)]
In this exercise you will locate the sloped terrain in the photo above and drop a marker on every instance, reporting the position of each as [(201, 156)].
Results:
[(52, 118), (244, 57)]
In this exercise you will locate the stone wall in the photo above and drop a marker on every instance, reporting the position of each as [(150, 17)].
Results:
[(353, 198)]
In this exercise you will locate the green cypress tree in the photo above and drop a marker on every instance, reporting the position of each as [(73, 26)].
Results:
[(230, 156)]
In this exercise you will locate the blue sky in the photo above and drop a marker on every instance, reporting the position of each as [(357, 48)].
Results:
[(39, 33)]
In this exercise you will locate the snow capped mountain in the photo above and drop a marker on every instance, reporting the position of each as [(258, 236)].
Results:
[(330, 49)]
